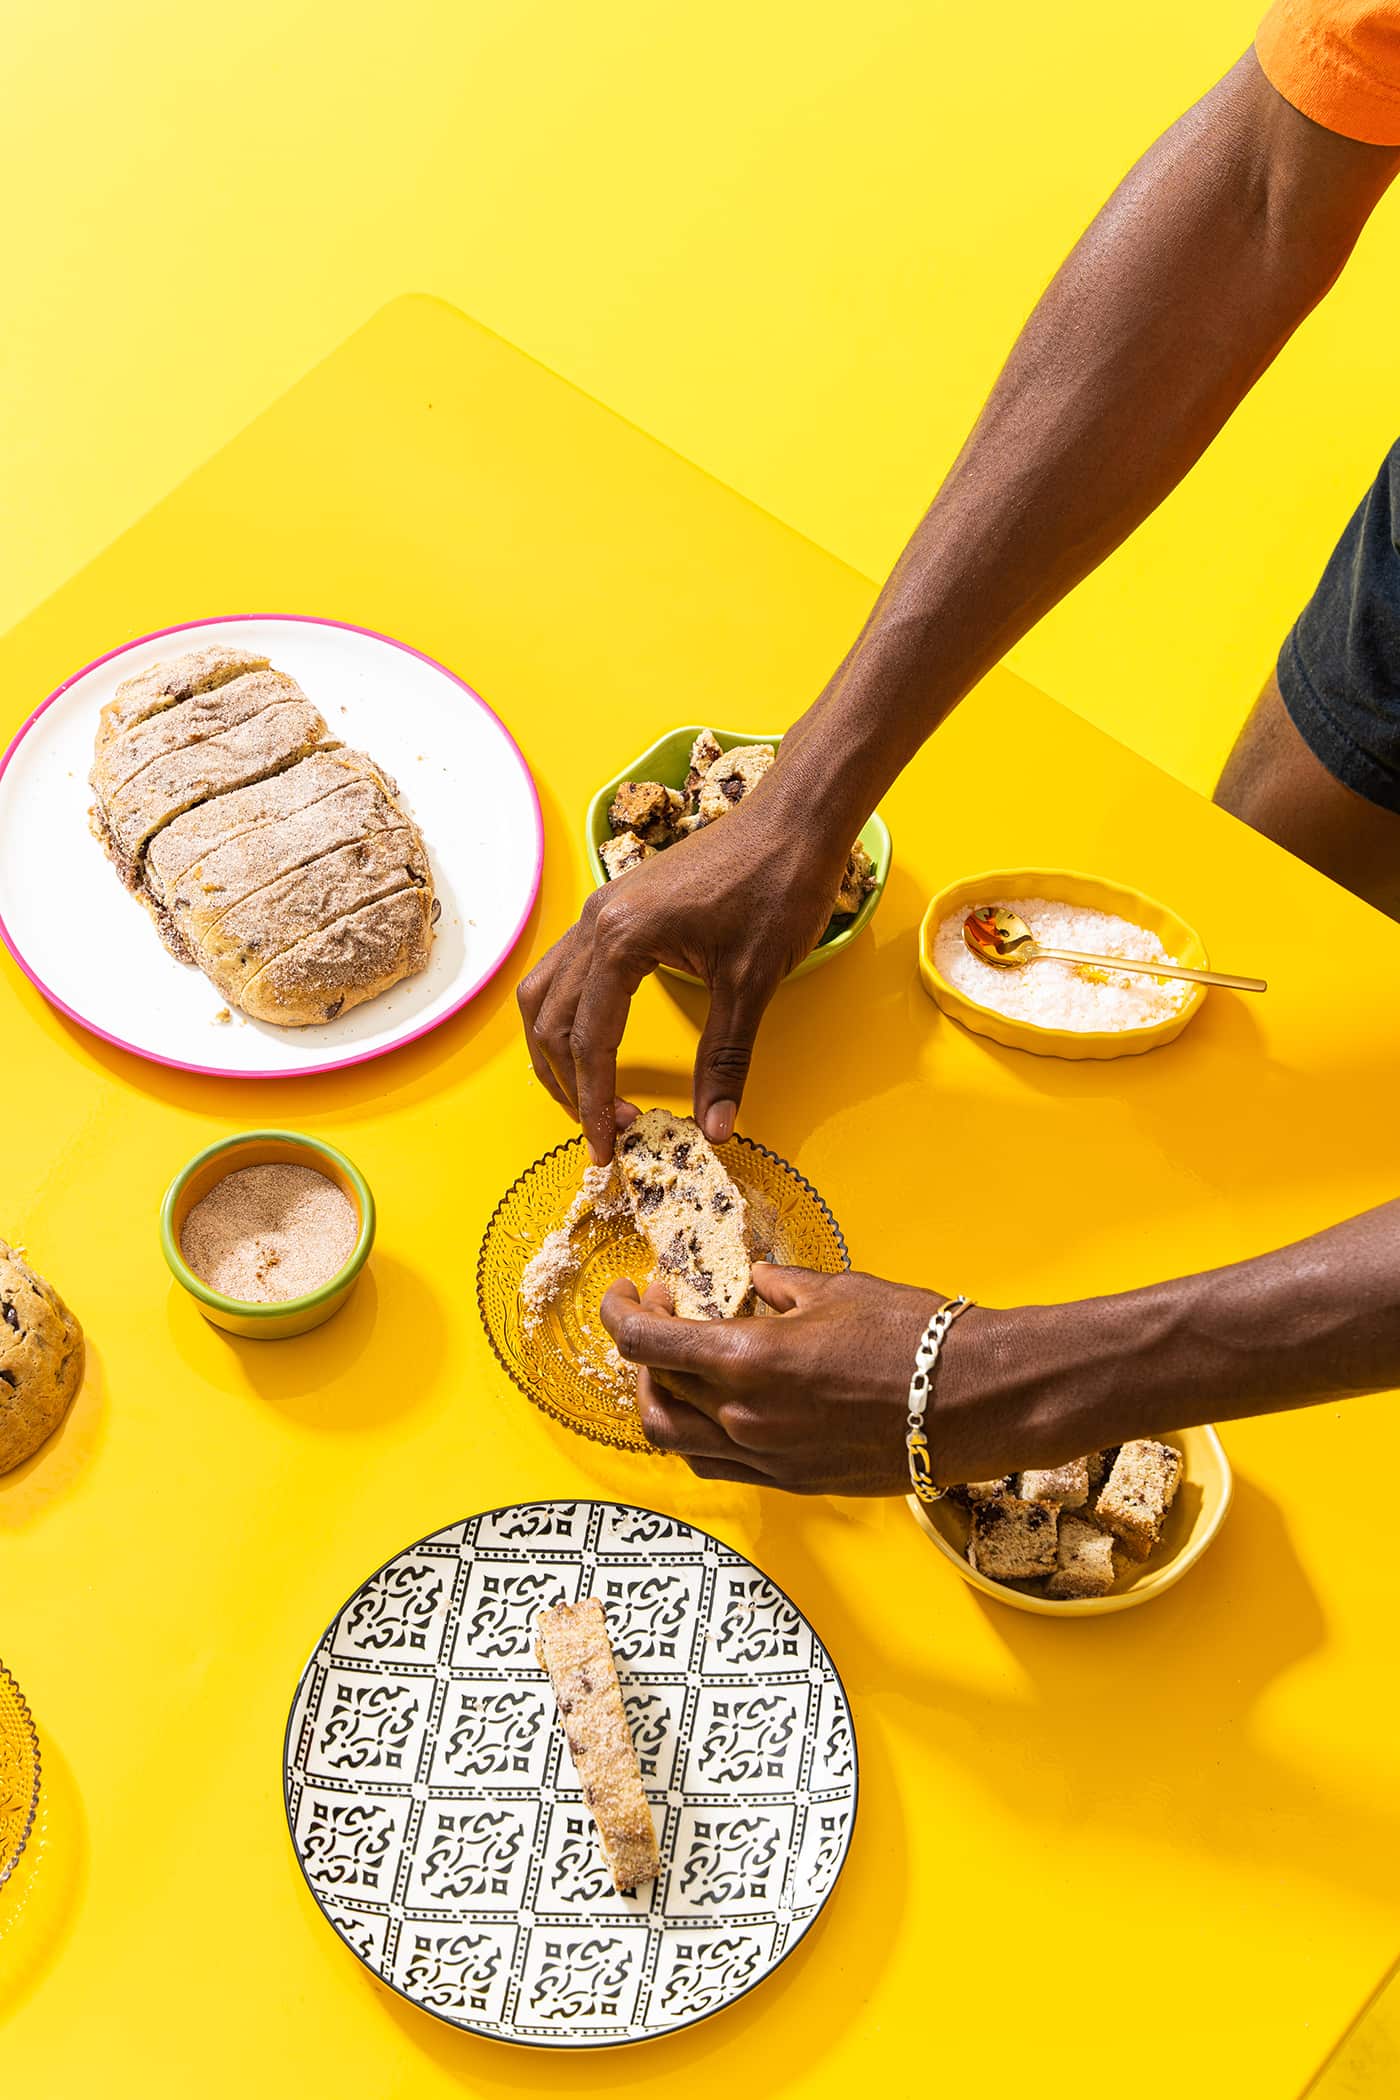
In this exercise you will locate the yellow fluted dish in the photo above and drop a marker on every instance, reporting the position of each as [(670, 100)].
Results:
[(1061, 886)]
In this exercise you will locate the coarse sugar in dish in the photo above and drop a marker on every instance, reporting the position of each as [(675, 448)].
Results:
[(1076, 996)]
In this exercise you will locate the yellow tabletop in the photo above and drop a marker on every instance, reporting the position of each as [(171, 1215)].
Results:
[(1160, 1847)]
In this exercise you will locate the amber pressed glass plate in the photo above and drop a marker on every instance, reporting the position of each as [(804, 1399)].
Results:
[(19, 1773), (562, 1359)]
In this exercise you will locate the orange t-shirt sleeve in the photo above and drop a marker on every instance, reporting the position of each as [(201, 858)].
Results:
[(1338, 61)]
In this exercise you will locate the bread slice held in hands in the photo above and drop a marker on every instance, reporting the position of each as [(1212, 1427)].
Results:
[(690, 1213), (572, 1645)]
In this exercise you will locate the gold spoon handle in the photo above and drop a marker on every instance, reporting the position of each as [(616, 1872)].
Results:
[(1152, 969)]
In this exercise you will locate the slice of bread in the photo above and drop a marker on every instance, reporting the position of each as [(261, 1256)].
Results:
[(1012, 1541), (1084, 1560), (572, 1645), (690, 1213), (163, 685), (1138, 1493)]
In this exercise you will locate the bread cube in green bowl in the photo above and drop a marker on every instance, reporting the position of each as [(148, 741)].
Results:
[(667, 760)]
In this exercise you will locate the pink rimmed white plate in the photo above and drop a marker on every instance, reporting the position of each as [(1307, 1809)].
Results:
[(90, 948)]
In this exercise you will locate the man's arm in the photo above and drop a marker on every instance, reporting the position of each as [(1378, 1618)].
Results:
[(1181, 293), (814, 1400)]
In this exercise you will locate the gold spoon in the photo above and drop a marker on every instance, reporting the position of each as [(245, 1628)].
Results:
[(1007, 943)]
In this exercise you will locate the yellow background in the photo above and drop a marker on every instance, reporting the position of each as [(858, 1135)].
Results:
[(791, 240), (1179, 1822)]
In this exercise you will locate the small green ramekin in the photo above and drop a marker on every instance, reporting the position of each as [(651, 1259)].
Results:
[(666, 760), (261, 1148)]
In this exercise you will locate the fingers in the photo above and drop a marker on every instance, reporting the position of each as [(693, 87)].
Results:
[(723, 1057), (599, 1020), (728, 1469), (645, 1334), (530, 996), (787, 1290), (549, 1000), (673, 1425)]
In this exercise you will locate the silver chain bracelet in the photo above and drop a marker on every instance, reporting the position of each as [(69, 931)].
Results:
[(925, 1360)]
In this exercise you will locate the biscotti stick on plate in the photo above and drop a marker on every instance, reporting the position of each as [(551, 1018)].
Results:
[(572, 1645), (694, 1218)]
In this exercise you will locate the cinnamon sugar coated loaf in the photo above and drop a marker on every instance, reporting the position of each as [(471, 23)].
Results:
[(690, 1213), (275, 860), (572, 1645)]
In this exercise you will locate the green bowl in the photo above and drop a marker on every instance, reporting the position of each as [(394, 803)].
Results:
[(261, 1148), (668, 760)]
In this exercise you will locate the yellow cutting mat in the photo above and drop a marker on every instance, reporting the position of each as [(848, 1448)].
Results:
[(1164, 1841)]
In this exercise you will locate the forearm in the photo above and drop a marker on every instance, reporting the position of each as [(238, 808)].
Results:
[(1179, 295), (1316, 1321)]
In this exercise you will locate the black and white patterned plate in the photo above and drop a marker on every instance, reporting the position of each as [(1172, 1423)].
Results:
[(437, 1816)]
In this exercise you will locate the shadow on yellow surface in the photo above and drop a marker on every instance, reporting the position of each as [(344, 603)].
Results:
[(351, 1375), (51, 1473), (39, 1903)]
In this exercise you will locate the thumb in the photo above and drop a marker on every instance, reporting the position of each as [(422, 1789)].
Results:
[(723, 1057), (788, 1290), (657, 1298)]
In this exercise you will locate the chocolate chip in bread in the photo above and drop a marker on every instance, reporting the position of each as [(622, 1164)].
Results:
[(733, 775)]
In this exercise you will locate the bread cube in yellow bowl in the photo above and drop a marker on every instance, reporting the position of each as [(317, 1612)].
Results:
[(1196, 1514)]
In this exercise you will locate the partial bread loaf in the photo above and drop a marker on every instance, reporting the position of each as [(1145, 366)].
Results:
[(280, 863), (690, 1213)]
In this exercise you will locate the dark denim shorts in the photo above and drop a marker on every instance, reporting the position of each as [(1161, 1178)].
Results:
[(1339, 670)]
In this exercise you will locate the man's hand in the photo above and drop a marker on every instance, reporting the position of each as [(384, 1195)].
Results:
[(813, 1399), (738, 903)]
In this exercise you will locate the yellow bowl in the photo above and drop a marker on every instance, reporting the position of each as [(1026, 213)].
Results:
[(261, 1148), (1198, 1512), (1061, 886)]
